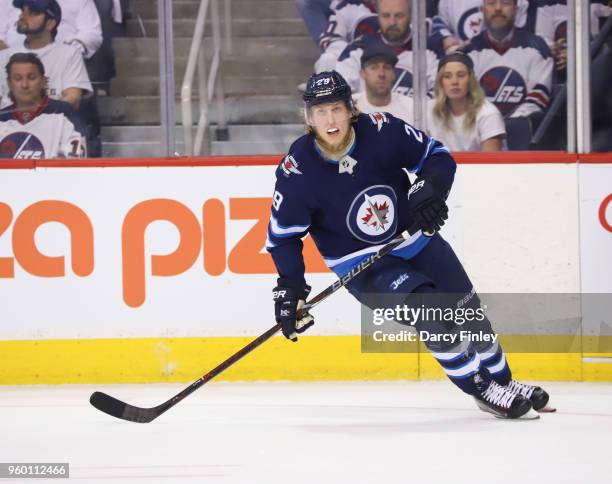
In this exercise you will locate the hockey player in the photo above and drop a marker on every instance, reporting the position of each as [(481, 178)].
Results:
[(394, 33), (344, 183), (35, 127)]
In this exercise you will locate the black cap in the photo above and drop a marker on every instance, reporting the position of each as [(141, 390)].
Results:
[(50, 7), (457, 56), (378, 50)]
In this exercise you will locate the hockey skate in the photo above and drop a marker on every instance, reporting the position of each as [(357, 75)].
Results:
[(536, 395), (503, 403)]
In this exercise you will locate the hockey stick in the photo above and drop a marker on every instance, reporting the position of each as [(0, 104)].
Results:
[(125, 411)]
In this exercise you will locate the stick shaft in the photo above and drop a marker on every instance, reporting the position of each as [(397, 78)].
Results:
[(119, 409)]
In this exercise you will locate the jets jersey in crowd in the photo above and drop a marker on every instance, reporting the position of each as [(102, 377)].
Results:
[(353, 206), (517, 75), (54, 131), (64, 68), (349, 63), (463, 19), (349, 20)]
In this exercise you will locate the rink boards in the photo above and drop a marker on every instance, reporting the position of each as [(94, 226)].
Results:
[(138, 271)]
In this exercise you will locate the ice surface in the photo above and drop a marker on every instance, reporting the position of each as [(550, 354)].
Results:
[(316, 433)]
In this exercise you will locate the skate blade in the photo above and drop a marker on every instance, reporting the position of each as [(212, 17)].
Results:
[(530, 415), (547, 409)]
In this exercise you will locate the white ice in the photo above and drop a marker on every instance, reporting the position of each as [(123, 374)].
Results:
[(315, 433)]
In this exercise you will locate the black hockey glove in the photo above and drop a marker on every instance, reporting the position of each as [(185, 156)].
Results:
[(427, 206), (287, 303)]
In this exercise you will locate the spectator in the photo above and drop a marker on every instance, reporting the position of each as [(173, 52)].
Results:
[(551, 24), (514, 67), (348, 21), (394, 32), (460, 20), (35, 127), (378, 73), (315, 14), (67, 77), (459, 116), (80, 27)]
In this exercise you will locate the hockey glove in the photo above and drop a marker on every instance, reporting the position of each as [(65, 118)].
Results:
[(427, 206), (287, 305)]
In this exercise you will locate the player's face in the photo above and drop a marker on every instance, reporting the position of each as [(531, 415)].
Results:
[(455, 80), (499, 15), (394, 19), (26, 83), (331, 122), (31, 22), (379, 76)]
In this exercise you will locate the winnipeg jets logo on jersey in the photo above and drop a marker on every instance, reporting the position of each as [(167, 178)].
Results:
[(289, 165), (376, 214), (470, 23), (403, 82), (504, 87), (366, 26), (372, 215), (22, 146), (378, 119)]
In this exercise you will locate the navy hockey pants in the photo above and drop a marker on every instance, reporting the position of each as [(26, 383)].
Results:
[(435, 278)]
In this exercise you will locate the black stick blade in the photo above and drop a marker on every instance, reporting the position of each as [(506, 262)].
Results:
[(116, 408)]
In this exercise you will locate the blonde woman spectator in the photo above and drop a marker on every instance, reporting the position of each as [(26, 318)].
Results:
[(460, 116)]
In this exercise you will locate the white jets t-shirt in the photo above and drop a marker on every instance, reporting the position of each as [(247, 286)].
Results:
[(489, 123), (80, 20), (400, 106), (64, 68)]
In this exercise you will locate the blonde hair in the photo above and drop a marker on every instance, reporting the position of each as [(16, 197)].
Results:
[(442, 109)]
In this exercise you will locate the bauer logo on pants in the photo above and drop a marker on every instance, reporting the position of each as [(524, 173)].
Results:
[(372, 216)]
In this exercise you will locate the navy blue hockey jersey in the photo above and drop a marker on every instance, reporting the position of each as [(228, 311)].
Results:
[(353, 206)]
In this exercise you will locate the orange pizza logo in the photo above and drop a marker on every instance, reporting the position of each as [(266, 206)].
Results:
[(202, 233)]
